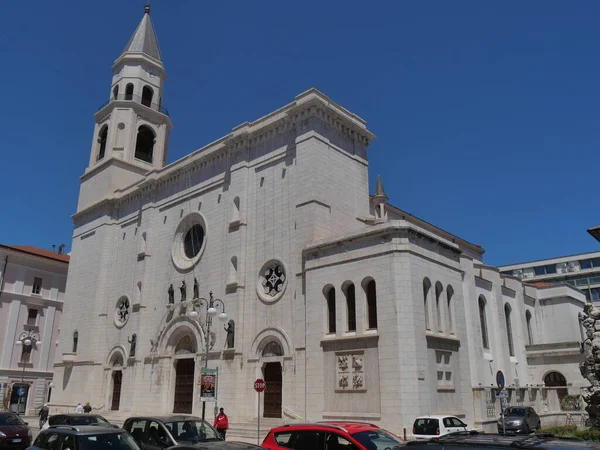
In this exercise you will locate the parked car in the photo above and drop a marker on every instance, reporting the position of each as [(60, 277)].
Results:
[(519, 419), (426, 427), (87, 437), (75, 420), (14, 433), (178, 432), (331, 435), (471, 440)]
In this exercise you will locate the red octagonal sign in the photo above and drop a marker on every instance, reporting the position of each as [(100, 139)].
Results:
[(259, 385)]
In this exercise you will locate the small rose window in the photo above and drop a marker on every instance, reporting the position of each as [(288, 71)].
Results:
[(122, 311), (272, 281)]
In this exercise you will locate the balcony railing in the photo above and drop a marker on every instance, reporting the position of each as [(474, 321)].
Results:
[(137, 99)]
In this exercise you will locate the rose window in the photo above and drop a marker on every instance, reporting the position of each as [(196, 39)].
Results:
[(273, 279), (122, 311)]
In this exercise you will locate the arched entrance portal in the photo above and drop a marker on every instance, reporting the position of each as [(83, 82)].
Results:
[(556, 379), (273, 380), (117, 377), (184, 376)]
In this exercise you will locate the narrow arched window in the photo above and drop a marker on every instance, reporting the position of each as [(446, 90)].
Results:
[(449, 295), (483, 323), (235, 211), (116, 92), (371, 305), (147, 94), (438, 305), (75, 341), (102, 139), (426, 292), (529, 330), (509, 336), (129, 92), (331, 319), (351, 307), (144, 145)]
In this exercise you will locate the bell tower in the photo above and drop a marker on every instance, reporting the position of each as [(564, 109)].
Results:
[(132, 128)]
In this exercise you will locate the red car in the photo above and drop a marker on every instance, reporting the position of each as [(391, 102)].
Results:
[(331, 435), (14, 433)]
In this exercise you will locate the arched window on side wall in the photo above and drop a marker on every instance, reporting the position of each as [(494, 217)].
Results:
[(426, 293), (351, 306), (116, 92), (529, 330), (331, 318), (102, 139), (371, 291), (557, 379), (144, 145), (147, 94), (483, 323), (449, 295), (438, 305), (75, 341), (129, 92), (509, 335)]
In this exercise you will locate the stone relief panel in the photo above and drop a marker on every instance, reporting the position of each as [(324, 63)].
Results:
[(349, 369)]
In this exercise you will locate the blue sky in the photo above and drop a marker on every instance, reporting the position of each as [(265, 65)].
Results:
[(486, 113)]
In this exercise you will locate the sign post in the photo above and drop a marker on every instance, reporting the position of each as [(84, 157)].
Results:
[(259, 386), (502, 396)]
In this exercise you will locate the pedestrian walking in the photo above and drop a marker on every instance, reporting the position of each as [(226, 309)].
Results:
[(221, 423), (44, 411), (87, 408), (79, 409)]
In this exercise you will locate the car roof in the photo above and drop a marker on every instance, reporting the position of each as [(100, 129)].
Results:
[(77, 414), (82, 430), (171, 418), (7, 413), (497, 440), (342, 425), (437, 416)]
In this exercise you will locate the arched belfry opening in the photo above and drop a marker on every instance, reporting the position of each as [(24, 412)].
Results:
[(144, 144), (116, 92), (129, 92), (147, 94), (102, 139)]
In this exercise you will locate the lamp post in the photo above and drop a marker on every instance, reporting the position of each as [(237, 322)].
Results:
[(211, 311), (28, 340)]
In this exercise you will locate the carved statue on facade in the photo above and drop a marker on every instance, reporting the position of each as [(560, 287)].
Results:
[(171, 292), (343, 381), (132, 343), (182, 289), (230, 328), (357, 362), (343, 362), (357, 381), (590, 368), (196, 289)]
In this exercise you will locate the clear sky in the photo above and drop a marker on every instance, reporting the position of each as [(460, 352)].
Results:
[(486, 113)]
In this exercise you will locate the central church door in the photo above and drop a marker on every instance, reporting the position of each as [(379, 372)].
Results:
[(273, 380), (116, 393), (184, 386)]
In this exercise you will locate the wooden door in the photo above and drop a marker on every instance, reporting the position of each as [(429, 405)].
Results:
[(184, 386), (116, 394), (272, 394)]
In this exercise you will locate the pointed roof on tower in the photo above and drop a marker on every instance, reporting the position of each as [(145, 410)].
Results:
[(379, 192), (144, 39)]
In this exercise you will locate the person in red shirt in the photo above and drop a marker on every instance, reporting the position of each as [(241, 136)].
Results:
[(221, 423)]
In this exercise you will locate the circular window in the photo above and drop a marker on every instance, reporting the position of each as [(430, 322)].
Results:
[(272, 281), (189, 241), (122, 312)]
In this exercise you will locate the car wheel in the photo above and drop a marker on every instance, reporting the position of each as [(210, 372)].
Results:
[(526, 429)]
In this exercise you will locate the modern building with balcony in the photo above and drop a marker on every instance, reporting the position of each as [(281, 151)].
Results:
[(32, 288), (581, 271)]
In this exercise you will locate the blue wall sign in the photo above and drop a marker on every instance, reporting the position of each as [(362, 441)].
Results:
[(500, 379)]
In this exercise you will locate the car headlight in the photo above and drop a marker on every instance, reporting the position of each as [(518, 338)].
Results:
[(517, 422), (2, 435)]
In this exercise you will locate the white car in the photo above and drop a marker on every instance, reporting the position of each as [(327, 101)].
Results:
[(427, 427)]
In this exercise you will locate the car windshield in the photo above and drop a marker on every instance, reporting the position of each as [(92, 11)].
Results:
[(378, 440), (193, 431), (88, 420), (10, 419), (107, 441), (514, 412)]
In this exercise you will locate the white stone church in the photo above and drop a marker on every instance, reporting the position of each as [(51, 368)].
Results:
[(348, 307)]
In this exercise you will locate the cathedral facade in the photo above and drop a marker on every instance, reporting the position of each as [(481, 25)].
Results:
[(263, 255)]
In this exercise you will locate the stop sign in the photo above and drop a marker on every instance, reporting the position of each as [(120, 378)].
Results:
[(259, 385)]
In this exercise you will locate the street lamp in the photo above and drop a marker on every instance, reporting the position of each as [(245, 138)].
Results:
[(28, 340), (211, 311)]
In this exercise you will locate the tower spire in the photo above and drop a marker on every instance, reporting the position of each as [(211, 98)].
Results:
[(143, 41)]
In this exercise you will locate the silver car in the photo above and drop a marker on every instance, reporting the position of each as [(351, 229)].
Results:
[(519, 419)]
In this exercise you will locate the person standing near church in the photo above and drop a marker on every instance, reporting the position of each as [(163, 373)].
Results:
[(79, 409), (221, 423), (87, 408)]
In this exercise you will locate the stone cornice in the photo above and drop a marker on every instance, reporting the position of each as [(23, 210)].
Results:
[(143, 111)]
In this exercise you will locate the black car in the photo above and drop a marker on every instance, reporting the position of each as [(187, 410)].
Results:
[(519, 419), (89, 437), (471, 440), (76, 420), (14, 433), (178, 432)]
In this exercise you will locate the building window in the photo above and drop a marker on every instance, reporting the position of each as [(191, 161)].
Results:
[(144, 145), (37, 286), (426, 292), (75, 341), (438, 307), (351, 307), (116, 92), (444, 370), (371, 290), (483, 323), (331, 319), (529, 331), (539, 271), (550, 268), (449, 295), (129, 92), (147, 94), (102, 139), (509, 336), (32, 316)]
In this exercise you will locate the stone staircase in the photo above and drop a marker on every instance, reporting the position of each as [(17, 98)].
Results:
[(247, 431)]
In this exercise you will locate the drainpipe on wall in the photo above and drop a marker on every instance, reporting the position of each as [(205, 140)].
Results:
[(3, 276)]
